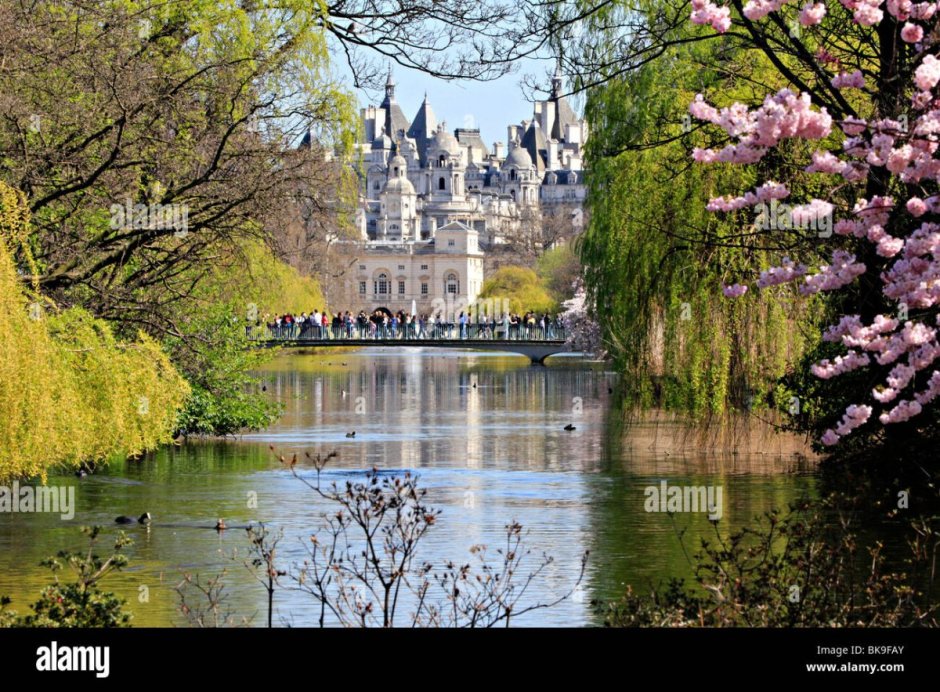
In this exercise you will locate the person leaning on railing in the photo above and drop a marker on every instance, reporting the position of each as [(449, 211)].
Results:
[(401, 325)]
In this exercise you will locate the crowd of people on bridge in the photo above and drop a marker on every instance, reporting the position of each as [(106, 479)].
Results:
[(382, 324)]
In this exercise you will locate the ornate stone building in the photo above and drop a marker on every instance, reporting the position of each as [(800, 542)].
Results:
[(432, 202)]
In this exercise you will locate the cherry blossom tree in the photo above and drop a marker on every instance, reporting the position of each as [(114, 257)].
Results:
[(582, 332), (872, 136)]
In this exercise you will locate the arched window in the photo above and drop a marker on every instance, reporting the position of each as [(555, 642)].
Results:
[(380, 286), (441, 184), (512, 174), (512, 193), (396, 172), (452, 284), (442, 160)]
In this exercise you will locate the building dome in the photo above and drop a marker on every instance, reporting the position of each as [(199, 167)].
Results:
[(400, 186), (444, 141), (518, 158), (397, 161)]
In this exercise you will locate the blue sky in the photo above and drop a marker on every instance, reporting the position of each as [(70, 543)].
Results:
[(491, 106)]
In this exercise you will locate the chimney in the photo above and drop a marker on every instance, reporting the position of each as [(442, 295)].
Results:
[(552, 154)]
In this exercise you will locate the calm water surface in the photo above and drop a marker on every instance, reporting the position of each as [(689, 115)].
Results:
[(484, 432)]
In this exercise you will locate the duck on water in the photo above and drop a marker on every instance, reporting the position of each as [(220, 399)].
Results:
[(144, 518)]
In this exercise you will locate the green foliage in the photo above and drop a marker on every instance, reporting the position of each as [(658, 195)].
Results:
[(69, 390), (212, 350), (522, 287), (217, 361), (78, 603), (255, 277), (655, 259), (793, 570), (194, 104), (559, 269)]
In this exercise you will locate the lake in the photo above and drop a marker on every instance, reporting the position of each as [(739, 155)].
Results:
[(485, 433)]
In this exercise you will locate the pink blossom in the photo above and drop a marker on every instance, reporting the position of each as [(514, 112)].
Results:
[(812, 13), (921, 10), (927, 74), (921, 100), (843, 270), (825, 162), (912, 33), (906, 260), (899, 9), (921, 357), (807, 214), (853, 126), (900, 376), (704, 155), (875, 233), (905, 410), (758, 9), (854, 417), (707, 12), (849, 227), (885, 395), (853, 334), (916, 207), (889, 246), (900, 158), (854, 80), (702, 110), (782, 116), (787, 271), (827, 369), (825, 57), (866, 12), (932, 391), (734, 291), (768, 191)]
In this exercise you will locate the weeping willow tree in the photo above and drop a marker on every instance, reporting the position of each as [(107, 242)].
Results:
[(656, 260), (70, 392), (151, 138), (248, 285), (164, 149)]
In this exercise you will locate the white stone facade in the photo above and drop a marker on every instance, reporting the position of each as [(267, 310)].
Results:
[(432, 202)]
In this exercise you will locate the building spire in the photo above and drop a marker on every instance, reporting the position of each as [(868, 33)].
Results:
[(390, 84), (557, 80)]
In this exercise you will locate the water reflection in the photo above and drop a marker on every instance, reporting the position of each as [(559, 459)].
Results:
[(486, 434)]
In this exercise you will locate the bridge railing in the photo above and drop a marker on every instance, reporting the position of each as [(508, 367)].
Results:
[(437, 331)]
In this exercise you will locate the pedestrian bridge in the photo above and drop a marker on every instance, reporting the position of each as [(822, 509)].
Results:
[(535, 346)]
